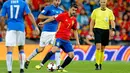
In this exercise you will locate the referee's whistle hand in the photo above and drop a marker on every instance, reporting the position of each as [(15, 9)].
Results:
[(112, 33)]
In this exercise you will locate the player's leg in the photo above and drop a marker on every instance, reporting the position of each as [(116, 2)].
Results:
[(21, 58), (9, 60), (57, 58), (102, 57), (49, 54), (67, 47), (97, 35), (10, 41), (44, 40), (32, 55), (21, 42), (57, 54), (105, 41), (47, 57)]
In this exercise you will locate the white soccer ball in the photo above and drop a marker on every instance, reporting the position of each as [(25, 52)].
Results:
[(51, 67)]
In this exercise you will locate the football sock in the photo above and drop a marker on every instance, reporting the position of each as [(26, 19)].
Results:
[(66, 62), (33, 54), (57, 57), (9, 61), (22, 59), (102, 57), (98, 56), (47, 57)]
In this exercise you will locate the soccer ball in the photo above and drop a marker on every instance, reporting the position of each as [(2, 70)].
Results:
[(51, 67)]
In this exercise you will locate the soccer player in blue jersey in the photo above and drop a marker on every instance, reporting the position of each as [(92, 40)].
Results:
[(48, 31), (15, 35)]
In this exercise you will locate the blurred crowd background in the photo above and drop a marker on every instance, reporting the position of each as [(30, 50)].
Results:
[(120, 8)]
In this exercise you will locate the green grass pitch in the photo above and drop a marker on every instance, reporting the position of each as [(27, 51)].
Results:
[(73, 67)]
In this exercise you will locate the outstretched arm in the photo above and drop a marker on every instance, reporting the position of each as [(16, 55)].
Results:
[(42, 17), (47, 20)]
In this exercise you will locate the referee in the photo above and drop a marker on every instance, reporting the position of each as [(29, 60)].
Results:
[(99, 27)]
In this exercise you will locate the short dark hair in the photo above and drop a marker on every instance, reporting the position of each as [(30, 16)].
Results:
[(74, 5)]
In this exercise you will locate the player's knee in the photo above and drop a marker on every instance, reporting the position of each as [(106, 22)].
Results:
[(98, 46), (41, 49), (20, 47), (102, 49), (71, 55), (54, 49), (9, 48)]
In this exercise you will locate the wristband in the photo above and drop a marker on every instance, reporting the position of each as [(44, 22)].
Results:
[(113, 29)]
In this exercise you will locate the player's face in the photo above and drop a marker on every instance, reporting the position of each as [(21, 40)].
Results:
[(57, 2), (103, 3), (73, 11)]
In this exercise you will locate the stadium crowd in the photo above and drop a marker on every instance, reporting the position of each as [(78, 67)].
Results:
[(121, 10)]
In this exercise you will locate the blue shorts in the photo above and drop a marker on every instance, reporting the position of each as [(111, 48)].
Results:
[(65, 45)]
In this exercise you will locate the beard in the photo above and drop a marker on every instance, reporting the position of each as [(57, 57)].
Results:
[(73, 14)]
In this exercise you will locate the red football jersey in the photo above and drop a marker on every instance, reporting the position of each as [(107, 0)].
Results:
[(66, 23)]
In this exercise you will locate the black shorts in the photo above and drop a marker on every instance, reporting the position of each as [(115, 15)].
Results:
[(101, 36)]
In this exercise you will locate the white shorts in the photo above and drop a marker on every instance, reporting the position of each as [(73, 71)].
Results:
[(47, 38), (14, 38)]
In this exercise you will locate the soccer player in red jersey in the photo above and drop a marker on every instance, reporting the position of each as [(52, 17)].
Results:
[(67, 21)]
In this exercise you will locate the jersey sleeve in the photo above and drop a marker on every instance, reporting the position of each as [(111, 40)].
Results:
[(4, 10), (27, 10), (75, 25), (45, 10), (112, 17), (93, 15), (59, 17)]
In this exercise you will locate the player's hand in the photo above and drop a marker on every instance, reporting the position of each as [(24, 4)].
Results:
[(91, 33), (36, 31), (78, 44), (40, 24), (3, 33)]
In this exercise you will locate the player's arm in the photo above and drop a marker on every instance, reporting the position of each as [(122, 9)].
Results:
[(112, 22), (76, 33), (31, 17), (76, 36), (2, 23), (3, 15), (43, 14), (47, 20), (92, 23), (42, 17), (52, 18)]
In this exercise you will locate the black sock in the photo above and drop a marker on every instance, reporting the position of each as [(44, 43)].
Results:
[(9, 71), (47, 57), (66, 62)]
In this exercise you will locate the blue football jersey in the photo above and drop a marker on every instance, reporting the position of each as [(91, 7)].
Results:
[(15, 10), (51, 11)]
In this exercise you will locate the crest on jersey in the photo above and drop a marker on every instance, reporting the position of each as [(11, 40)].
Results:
[(43, 11), (58, 44)]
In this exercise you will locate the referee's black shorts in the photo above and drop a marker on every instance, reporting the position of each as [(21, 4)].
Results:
[(101, 36)]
